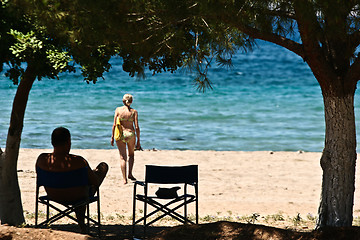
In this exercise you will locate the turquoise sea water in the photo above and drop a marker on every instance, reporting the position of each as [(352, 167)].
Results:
[(269, 100)]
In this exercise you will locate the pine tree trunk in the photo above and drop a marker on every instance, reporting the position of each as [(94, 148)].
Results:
[(11, 211), (338, 162)]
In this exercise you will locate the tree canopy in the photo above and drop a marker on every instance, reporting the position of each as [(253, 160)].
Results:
[(155, 35), (25, 42)]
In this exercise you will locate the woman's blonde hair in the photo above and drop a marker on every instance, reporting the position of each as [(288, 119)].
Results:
[(127, 99)]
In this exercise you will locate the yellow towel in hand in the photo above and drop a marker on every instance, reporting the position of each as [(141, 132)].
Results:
[(118, 130)]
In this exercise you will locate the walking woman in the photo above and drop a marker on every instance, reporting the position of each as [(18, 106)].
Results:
[(126, 132)]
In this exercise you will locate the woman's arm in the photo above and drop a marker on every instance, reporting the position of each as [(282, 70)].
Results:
[(113, 128), (137, 129)]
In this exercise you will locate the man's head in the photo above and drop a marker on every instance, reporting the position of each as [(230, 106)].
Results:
[(60, 137)]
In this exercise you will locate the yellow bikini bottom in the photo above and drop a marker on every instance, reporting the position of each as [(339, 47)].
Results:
[(119, 134)]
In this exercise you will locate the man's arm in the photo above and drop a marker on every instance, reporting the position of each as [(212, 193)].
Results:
[(93, 179), (41, 161)]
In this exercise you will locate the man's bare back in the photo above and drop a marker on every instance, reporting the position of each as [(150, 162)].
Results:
[(65, 163)]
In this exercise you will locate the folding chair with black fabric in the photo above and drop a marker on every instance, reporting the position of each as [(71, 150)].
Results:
[(64, 180), (167, 201)]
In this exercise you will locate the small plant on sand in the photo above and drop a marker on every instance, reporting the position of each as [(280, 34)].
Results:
[(165, 219), (356, 221), (141, 213), (297, 220), (110, 218), (191, 217), (254, 217), (278, 217), (274, 218), (227, 218), (23, 225), (210, 218), (120, 217), (251, 219), (31, 215), (311, 217), (92, 216), (207, 218)]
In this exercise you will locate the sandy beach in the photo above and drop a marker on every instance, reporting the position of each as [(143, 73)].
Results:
[(230, 183)]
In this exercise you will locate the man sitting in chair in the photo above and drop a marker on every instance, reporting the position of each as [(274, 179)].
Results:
[(60, 160)]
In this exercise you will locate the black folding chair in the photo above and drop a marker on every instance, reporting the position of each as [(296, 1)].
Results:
[(183, 176), (63, 180)]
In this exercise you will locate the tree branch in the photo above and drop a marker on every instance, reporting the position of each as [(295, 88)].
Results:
[(274, 38), (309, 29), (278, 13), (308, 25), (353, 75), (354, 39)]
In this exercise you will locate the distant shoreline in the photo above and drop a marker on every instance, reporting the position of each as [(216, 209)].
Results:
[(155, 150)]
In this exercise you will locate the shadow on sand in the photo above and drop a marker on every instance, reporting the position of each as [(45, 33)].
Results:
[(112, 232), (218, 230)]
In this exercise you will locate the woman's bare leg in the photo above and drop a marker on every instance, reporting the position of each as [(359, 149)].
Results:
[(123, 158), (131, 148)]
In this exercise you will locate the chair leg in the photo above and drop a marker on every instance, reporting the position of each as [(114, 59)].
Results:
[(36, 214), (197, 211), (99, 215), (197, 204), (88, 217), (185, 212), (134, 211), (145, 208), (185, 205), (36, 205), (47, 210)]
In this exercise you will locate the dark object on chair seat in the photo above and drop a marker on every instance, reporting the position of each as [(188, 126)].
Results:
[(167, 193)]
